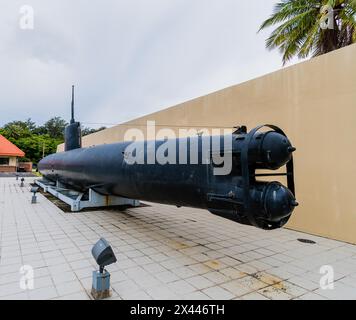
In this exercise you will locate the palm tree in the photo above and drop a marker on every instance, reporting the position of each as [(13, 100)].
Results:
[(311, 27)]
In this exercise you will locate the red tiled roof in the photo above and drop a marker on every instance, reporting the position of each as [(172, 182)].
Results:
[(9, 149)]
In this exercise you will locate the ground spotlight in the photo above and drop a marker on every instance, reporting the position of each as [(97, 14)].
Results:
[(34, 190), (104, 256)]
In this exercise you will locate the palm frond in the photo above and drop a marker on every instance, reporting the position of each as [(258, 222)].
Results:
[(288, 9), (299, 29)]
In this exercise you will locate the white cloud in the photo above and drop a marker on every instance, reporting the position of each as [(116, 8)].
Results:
[(127, 58)]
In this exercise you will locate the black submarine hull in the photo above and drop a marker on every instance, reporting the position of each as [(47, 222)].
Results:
[(237, 195)]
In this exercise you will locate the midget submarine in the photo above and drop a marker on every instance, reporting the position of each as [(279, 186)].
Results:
[(240, 193)]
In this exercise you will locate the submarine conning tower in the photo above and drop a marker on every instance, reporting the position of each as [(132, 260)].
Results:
[(72, 134)]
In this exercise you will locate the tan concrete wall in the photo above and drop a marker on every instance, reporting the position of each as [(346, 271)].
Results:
[(11, 167), (315, 103), (26, 166), (13, 161)]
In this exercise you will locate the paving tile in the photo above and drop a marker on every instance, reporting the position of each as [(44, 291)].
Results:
[(349, 281), (154, 268), (36, 264), (275, 293), (74, 257), (31, 257), (59, 269), (247, 268), (200, 257), (148, 281), (163, 293), (134, 254), (236, 288), (200, 268), (218, 293), (184, 272), (200, 282), (128, 263), (86, 283), (161, 255), (67, 288), (51, 254), (251, 283), (340, 292), (167, 276), (60, 278), (85, 272), (281, 273), (4, 270), (43, 282), (170, 264), (9, 278), (254, 296), (80, 264), (19, 296), (118, 276), (181, 287), (137, 272), (43, 293), (304, 283), (216, 277), (11, 261), (267, 278), (41, 272), (197, 295), (124, 287), (10, 289), (137, 295), (291, 289), (311, 296), (233, 273), (259, 265)]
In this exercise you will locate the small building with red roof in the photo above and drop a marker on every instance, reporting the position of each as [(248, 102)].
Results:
[(9, 155)]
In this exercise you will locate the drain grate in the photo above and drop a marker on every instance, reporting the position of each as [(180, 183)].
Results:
[(307, 241)]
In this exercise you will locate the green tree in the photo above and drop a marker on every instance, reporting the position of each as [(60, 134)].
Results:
[(86, 131), (16, 129), (54, 128), (300, 30), (38, 141), (37, 146)]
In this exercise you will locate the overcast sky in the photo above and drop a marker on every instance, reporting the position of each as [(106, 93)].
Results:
[(127, 58)]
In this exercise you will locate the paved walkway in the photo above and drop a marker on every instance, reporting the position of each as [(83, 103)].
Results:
[(163, 253)]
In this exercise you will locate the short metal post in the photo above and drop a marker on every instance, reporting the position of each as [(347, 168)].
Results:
[(101, 284), (34, 190)]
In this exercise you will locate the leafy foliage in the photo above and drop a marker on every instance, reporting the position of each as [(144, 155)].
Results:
[(299, 32), (17, 129), (87, 131), (53, 128), (37, 141)]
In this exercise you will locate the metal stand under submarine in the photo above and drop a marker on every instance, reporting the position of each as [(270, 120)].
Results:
[(103, 171)]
